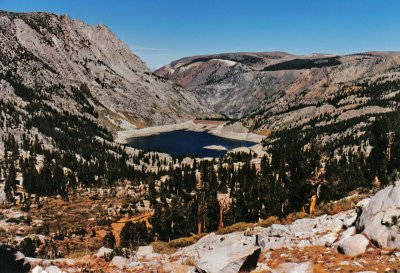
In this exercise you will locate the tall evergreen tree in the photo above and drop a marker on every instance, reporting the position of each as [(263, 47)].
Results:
[(109, 240)]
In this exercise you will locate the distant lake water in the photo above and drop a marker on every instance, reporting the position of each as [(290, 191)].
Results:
[(186, 143)]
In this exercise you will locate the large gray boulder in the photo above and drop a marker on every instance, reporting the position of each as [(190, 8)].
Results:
[(347, 233), (229, 259), (326, 240), (38, 269), (273, 243), (304, 243), (379, 217), (144, 251), (303, 226), (274, 237), (103, 251), (211, 241), (119, 262), (53, 269), (353, 245), (277, 230)]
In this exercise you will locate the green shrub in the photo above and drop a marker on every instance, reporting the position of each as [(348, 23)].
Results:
[(184, 241), (172, 246), (162, 247), (13, 220)]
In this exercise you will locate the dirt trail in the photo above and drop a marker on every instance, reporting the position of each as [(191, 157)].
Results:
[(117, 226)]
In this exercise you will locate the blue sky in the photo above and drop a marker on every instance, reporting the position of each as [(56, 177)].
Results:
[(160, 31)]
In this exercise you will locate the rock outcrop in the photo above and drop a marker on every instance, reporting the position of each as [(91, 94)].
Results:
[(119, 262), (278, 248), (229, 259), (144, 251), (379, 219), (353, 245), (103, 251), (258, 248)]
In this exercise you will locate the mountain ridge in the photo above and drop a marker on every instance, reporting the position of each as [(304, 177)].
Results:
[(261, 80), (59, 50)]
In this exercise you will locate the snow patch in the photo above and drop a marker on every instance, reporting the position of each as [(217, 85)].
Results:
[(227, 62), (216, 147)]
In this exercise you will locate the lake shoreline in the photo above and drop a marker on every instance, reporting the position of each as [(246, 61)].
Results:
[(188, 143), (219, 130)]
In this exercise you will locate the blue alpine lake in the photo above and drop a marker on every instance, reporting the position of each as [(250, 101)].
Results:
[(186, 143)]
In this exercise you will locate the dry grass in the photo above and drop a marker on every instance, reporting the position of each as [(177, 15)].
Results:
[(171, 247), (163, 247), (269, 221), (242, 226), (335, 207), (185, 241), (68, 216), (189, 261), (294, 216), (318, 268), (329, 260), (264, 132)]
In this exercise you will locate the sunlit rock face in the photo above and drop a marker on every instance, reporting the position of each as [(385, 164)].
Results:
[(52, 54)]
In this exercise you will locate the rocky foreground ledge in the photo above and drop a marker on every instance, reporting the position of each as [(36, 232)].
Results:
[(365, 239)]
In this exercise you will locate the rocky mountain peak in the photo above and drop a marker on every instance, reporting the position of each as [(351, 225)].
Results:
[(42, 50)]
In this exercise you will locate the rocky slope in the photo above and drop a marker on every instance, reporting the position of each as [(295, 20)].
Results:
[(364, 239), (274, 91), (230, 83), (52, 56)]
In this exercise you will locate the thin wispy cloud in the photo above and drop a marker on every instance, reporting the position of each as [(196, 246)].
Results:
[(145, 48), (154, 55)]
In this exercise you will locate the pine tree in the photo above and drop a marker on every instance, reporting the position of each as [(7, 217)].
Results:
[(109, 240), (60, 181), (10, 183), (378, 159), (27, 247), (213, 206), (133, 234)]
